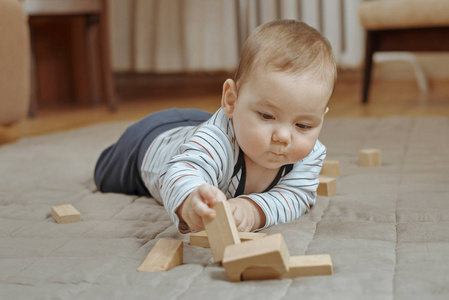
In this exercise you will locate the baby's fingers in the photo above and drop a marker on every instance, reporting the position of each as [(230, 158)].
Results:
[(210, 194), (244, 227), (195, 223), (201, 209)]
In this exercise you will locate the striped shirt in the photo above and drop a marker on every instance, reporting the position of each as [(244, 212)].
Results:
[(181, 159)]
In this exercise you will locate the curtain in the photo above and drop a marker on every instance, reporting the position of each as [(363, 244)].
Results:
[(174, 35), (164, 36)]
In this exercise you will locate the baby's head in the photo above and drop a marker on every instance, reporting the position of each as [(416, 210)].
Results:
[(279, 97), (290, 47)]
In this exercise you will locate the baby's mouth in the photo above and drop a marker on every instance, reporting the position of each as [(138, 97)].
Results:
[(277, 154)]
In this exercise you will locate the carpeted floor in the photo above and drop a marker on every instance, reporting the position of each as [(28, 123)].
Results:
[(387, 230)]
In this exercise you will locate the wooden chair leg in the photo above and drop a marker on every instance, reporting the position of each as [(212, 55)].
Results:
[(369, 51), (34, 78), (106, 69), (92, 55)]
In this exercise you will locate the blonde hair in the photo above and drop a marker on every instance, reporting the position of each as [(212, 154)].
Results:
[(287, 46)]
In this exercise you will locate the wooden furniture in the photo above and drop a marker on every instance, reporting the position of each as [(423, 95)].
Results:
[(402, 25), (96, 35), (14, 64)]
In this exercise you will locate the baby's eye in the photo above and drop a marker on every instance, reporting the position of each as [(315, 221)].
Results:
[(266, 116), (303, 126)]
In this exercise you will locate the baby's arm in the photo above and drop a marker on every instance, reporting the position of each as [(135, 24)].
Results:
[(207, 158), (247, 214), (294, 194), (198, 205)]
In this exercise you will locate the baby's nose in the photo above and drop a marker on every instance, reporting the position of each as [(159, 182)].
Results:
[(281, 135)]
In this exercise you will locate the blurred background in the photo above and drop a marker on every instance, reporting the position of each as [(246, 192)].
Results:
[(167, 53)]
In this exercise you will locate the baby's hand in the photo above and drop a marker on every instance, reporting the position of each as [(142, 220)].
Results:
[(199, 204), (247, 214)]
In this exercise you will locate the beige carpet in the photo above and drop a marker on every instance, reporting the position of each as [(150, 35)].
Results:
[(387, 230)]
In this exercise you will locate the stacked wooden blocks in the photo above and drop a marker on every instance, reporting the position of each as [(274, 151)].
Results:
[(269, 255), (245, 256), (328, 183), (219, 230), (327, 186), (298, 266), (331, 168), (200, 238), (261, 256)]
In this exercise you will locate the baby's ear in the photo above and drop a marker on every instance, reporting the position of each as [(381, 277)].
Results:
[(229, 97)]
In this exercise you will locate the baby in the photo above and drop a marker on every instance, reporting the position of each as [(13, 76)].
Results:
[(260, 151)]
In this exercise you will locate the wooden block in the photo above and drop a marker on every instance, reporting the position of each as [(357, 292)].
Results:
[(249, 236), (309, 265), (200, 238), (370, 158), (304, 265), (327, 186), (66, 213), (165, 255), (331, 168), (221, 231), (270, 251)]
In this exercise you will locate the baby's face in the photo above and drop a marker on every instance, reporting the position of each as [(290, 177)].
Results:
[(277, 117)]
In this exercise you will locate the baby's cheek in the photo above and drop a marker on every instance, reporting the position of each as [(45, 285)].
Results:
[(301, 150), (253, 143)]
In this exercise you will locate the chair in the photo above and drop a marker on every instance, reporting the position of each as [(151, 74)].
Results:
[(14, 63), (402, 25), (95, 13)]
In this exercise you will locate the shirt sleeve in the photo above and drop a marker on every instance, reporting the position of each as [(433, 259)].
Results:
[(205, 158), (295, 193)]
